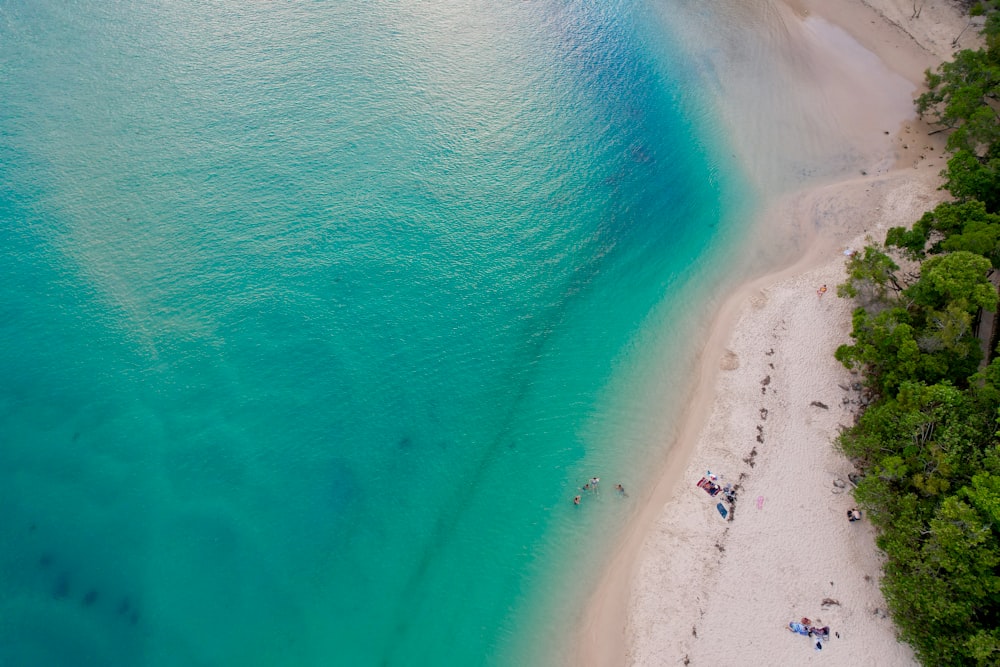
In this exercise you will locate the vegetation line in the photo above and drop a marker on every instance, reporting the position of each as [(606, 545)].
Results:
[(928, 443)]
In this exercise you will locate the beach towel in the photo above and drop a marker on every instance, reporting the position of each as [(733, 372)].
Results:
[(710, 488), (722, 510), (798, 628)]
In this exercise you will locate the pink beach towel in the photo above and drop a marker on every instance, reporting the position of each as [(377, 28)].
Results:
[(760, 502)]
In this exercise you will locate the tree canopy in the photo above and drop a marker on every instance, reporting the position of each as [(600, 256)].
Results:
[(963, 98), (951, 226), (962, 95), (928, 444)]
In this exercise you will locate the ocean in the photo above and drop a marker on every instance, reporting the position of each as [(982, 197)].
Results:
[(317, 316)]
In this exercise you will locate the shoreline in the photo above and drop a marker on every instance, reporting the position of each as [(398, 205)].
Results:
[(682, 586)]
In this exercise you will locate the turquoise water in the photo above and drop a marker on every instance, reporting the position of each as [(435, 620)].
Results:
[(316, 315)]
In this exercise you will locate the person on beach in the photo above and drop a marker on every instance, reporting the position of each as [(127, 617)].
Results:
[(821, 291), (853, 515)]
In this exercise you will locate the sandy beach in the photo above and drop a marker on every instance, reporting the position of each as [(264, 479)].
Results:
[(686, 586)]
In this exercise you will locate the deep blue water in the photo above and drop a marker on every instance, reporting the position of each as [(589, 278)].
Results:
[(312, 314)]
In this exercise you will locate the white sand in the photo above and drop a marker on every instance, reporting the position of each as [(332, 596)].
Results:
[(687, 587), (739, 583)]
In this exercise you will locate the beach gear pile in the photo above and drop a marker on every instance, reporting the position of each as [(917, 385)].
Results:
[(710, 483), (806, 628)]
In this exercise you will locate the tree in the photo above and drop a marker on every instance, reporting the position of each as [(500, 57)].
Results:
[(958, 280), (928, 443), (951, 226), (963, 97), (959, 98), (927, 336), (871, 278), (940, 597), (971, 177), (884, 347)]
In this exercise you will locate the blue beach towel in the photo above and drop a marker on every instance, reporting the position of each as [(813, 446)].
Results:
[(798, 628)]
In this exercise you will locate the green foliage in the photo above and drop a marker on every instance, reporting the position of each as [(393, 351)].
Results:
[(871, 277), (932, 487), (928, 443), (984, 647), (957, 279), (957, 98), (925, 334), (917, 439), (991, 31), (948, 587), (986, 385), (980, 238), (884, 347), (984, 494), (963, 97), (970, 177), (950, 227), (913, 242)]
